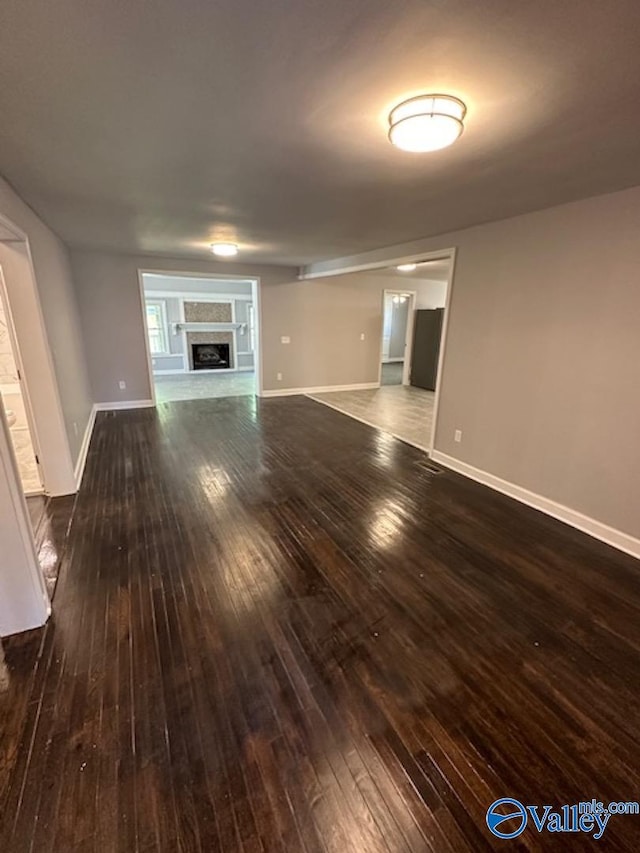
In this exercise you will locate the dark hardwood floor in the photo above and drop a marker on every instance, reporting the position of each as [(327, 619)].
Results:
[(50, 519), (275, 629)]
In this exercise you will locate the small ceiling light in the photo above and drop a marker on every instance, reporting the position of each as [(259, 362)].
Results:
[(224, 250), (406, 267), (426, 123)]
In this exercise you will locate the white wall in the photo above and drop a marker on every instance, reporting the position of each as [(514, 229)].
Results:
[(542, 366)]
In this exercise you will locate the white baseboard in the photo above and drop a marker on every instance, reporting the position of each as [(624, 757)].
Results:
[(177, 371), (124, 404), (610, 535), (320, 389), (84, 447)]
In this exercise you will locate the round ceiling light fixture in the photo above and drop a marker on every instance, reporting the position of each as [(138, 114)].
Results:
[(426, 123), (224, 250), (407, 267)]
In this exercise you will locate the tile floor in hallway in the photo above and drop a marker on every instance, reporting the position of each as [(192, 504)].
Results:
[(193, 386), (401, 410)]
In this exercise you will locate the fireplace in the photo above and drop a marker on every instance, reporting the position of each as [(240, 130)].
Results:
[(210, 356)]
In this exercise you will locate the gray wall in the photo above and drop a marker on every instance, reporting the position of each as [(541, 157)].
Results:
[(542, 366), (323, 318), (110, 308), (59, 308)]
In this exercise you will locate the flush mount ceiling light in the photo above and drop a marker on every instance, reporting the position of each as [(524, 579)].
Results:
[(398, 298), (406, 267), (426, 123), (224, 250)]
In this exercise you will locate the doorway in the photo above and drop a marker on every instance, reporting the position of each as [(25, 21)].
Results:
[(15, 400), (415, 302), (202, 335), (397, 315)]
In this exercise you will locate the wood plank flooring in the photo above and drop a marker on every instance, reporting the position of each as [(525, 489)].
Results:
[(50, 520), (275, 629)]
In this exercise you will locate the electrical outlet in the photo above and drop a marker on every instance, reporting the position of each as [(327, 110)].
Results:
[(279, 377), (457, 435), (122, 385), (361, 336), (285, 339), (75, 428)]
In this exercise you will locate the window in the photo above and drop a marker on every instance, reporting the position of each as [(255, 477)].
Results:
[(251, 320), (157, 327)]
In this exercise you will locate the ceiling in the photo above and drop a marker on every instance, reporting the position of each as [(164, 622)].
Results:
[(163, 126)]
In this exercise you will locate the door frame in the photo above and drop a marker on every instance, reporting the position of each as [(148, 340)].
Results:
[(408, 337), (255, 298), (48, 430), (22, 381)]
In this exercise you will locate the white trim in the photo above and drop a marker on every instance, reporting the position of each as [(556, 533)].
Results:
[(203, 276), (391, 360), (181, 372), (255, 297), (319, 389), (124, 404), (258, 360), (610, 535), (406, 440), (381, 262), (202, 297), (443, 346), (67, 480), (21, 387), (34, 613), (84, 447), (202, 326), (145, 329)]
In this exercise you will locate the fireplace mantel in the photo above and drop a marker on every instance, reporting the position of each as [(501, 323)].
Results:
[(208, 327)]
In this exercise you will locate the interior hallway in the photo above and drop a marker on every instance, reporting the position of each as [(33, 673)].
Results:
[(276, 629)]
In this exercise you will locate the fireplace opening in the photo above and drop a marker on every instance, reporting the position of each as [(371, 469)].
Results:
[(210, 356)]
